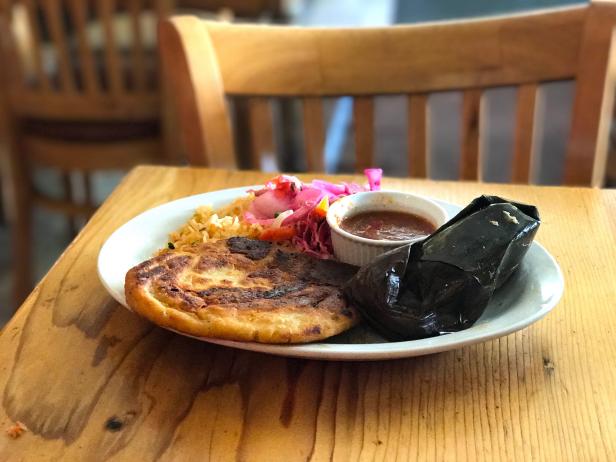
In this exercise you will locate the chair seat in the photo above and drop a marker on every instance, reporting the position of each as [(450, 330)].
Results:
[(69, 155), (92, 131)]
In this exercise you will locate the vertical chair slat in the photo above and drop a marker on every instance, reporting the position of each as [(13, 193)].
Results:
[(41, 76), (113, 63), (363, 119), (589, 138), (87, 190), (16, 68), (69, 196), (260, 118), (164, 8), (469, 159), (206, 122), (417, 135), (155, 76), (314, 134), (79, 14), (135, 9), (53, 13), (523, 141)]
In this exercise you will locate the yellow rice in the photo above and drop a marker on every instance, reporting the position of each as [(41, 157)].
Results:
[(208, 224)]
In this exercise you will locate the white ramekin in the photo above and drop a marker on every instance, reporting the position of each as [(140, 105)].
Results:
[(359, 251)]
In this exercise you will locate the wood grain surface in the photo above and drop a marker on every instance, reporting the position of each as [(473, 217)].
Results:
[(92, 381)]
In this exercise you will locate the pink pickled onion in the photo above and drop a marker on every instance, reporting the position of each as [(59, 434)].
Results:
[(287, 193), (374, 178), (250, 218), (266, 205), (281, 183)]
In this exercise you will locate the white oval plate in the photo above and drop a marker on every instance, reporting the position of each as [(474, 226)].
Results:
[(527, 297)]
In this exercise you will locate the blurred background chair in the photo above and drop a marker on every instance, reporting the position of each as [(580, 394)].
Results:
[(79, 95), (210, 64)]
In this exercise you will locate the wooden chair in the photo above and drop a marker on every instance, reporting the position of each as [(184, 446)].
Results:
[(75, 105), (210, 63), (248, 9)]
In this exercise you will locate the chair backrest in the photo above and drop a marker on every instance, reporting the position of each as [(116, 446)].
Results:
[(209, 62), (82, 59)]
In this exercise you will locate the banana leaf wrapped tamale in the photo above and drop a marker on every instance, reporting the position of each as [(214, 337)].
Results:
[(444, 283)]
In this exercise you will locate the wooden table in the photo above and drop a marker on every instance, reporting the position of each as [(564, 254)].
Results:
[(92, 381)]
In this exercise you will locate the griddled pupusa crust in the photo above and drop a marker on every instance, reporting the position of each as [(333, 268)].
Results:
[(245, 290)]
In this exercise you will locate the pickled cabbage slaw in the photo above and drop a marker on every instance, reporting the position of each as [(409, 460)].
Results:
[(290, 210)]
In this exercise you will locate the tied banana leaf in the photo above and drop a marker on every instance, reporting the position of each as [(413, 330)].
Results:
[(444, 283)]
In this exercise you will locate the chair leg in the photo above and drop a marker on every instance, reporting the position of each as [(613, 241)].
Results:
[(18, 205), (19, 215), (18, 208), (2, 206), (22, 248), (87, 188), (68, 195)]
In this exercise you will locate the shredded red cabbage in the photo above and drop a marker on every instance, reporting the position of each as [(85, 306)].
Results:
[(313, 236), (286, 192)]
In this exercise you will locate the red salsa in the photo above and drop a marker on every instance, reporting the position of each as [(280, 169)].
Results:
[(391, 226)]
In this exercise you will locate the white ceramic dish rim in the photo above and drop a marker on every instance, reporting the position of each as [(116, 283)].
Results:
[(335, 226), (342, 351)]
